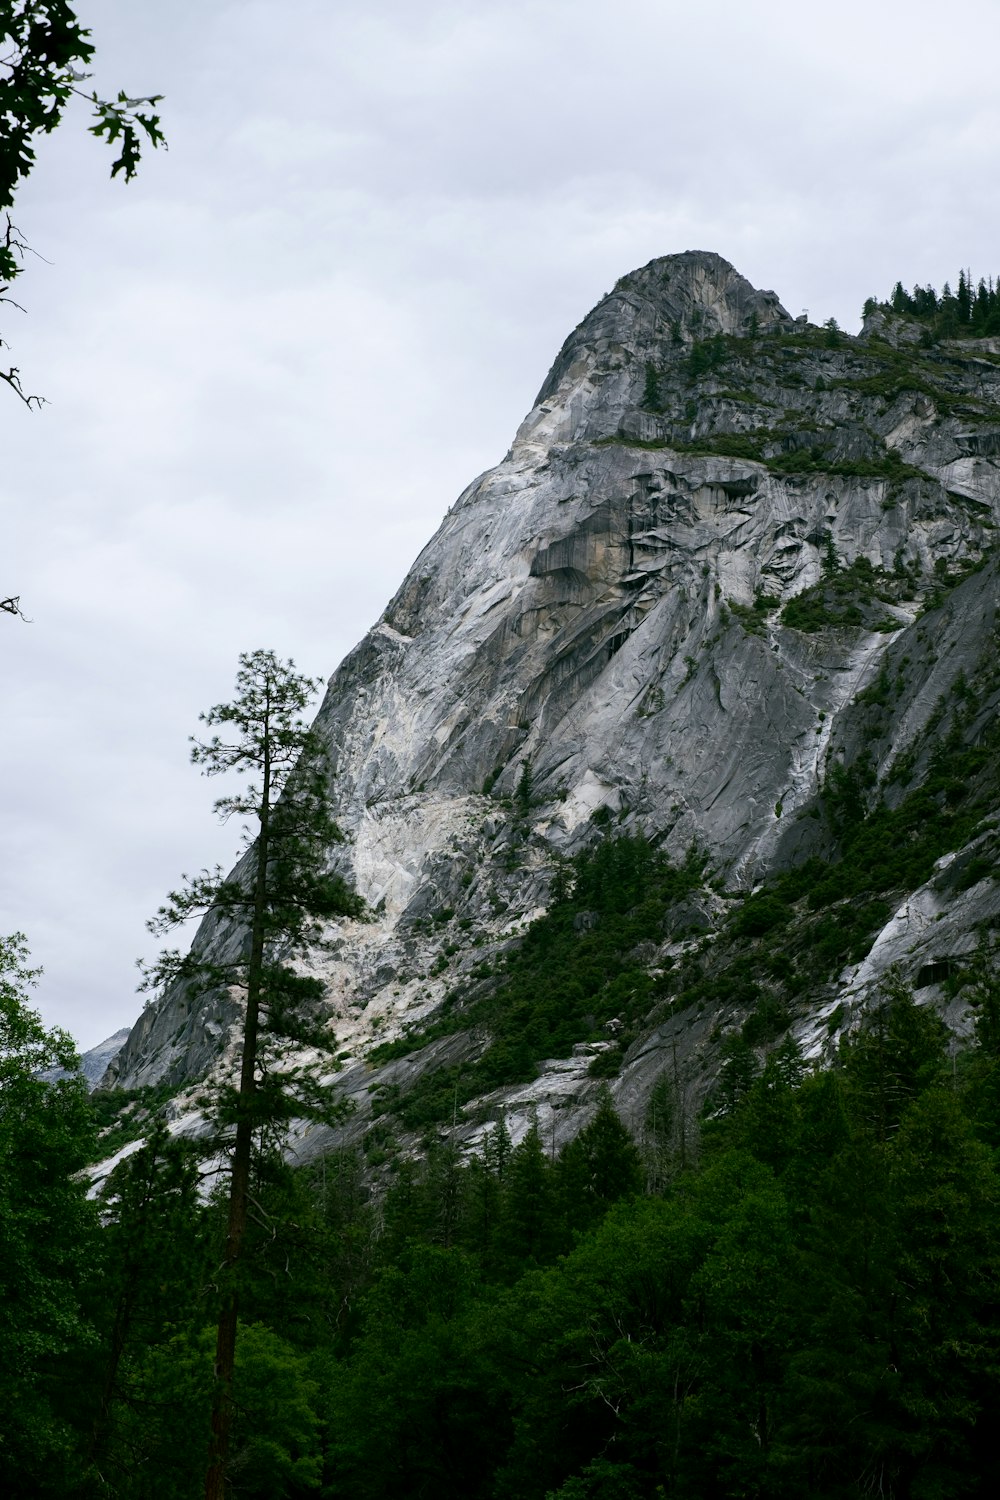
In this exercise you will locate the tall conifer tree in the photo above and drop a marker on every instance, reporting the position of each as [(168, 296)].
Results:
[(275, 903)]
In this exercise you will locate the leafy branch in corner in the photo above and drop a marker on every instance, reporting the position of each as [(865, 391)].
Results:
[(43, 53)]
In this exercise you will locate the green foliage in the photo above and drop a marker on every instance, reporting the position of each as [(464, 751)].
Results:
[(848, 596), (48, 1237), (971, 312), (158, 1260), (949, 576), (605, 1063), (123, 1115), (274, 906), (817, 1299), (651, 389), (816, 1302), (43, 49), (728, 444), (887, 465), (737, 1072), (43, 45), (274, 1451), (706, 355), (898, 1051), (418, 1408), (598, 1168), (760, 914), (276, 903), (782, 451), (522, 792), (575, 971), (529, 1231), (892, 849), (752, 616)]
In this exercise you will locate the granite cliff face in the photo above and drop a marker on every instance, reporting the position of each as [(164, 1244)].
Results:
[(602, 634)]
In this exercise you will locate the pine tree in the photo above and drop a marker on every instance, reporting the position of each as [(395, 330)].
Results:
[(598, 1167), (155, 1233), (736, 1075), (898, 1053), (522, 792), (48, 1235), (347, 1215), (483, 1190), (947, 320), (992, 324), (277, 898), (527, 1232), (662, 1111), (981, 308)]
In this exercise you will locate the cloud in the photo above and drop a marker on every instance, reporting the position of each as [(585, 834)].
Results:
[(278, 356)]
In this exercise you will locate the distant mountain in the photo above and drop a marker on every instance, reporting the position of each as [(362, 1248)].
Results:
[(95, 1063), (733, 590)]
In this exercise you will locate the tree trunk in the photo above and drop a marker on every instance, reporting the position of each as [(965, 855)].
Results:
[(239, 1182)]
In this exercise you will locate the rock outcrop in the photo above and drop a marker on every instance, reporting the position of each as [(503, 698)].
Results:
[(600, 633)]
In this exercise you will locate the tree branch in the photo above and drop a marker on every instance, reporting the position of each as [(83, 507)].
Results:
[(13, 379)]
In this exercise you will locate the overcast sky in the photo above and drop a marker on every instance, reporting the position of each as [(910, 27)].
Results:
[(275, 359)]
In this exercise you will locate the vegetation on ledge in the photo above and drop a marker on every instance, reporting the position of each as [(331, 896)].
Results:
[(971, 311), (580, 975)]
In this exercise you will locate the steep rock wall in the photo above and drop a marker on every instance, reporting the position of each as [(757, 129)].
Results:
[(599, 619)]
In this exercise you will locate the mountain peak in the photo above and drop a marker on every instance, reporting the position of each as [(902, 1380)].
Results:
[(685, 608), (703, 293), (654, 313)]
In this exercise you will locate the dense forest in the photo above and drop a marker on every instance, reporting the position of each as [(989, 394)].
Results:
[(797, 1294)]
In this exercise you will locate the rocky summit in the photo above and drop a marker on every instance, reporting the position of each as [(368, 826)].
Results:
[(683, 727)]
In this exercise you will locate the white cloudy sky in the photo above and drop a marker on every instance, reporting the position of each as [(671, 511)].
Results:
[(275, 359)]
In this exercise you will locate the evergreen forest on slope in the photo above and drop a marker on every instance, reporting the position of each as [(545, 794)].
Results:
[(799, 1294)]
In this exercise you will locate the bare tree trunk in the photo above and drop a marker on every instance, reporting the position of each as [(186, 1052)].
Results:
[(239, 1182)]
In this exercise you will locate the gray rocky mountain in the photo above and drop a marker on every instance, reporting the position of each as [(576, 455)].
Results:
[(734, 572), (95, 1062)]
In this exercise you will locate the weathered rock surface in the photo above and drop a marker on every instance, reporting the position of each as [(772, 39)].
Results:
[(598, 620), (94, 1063)]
